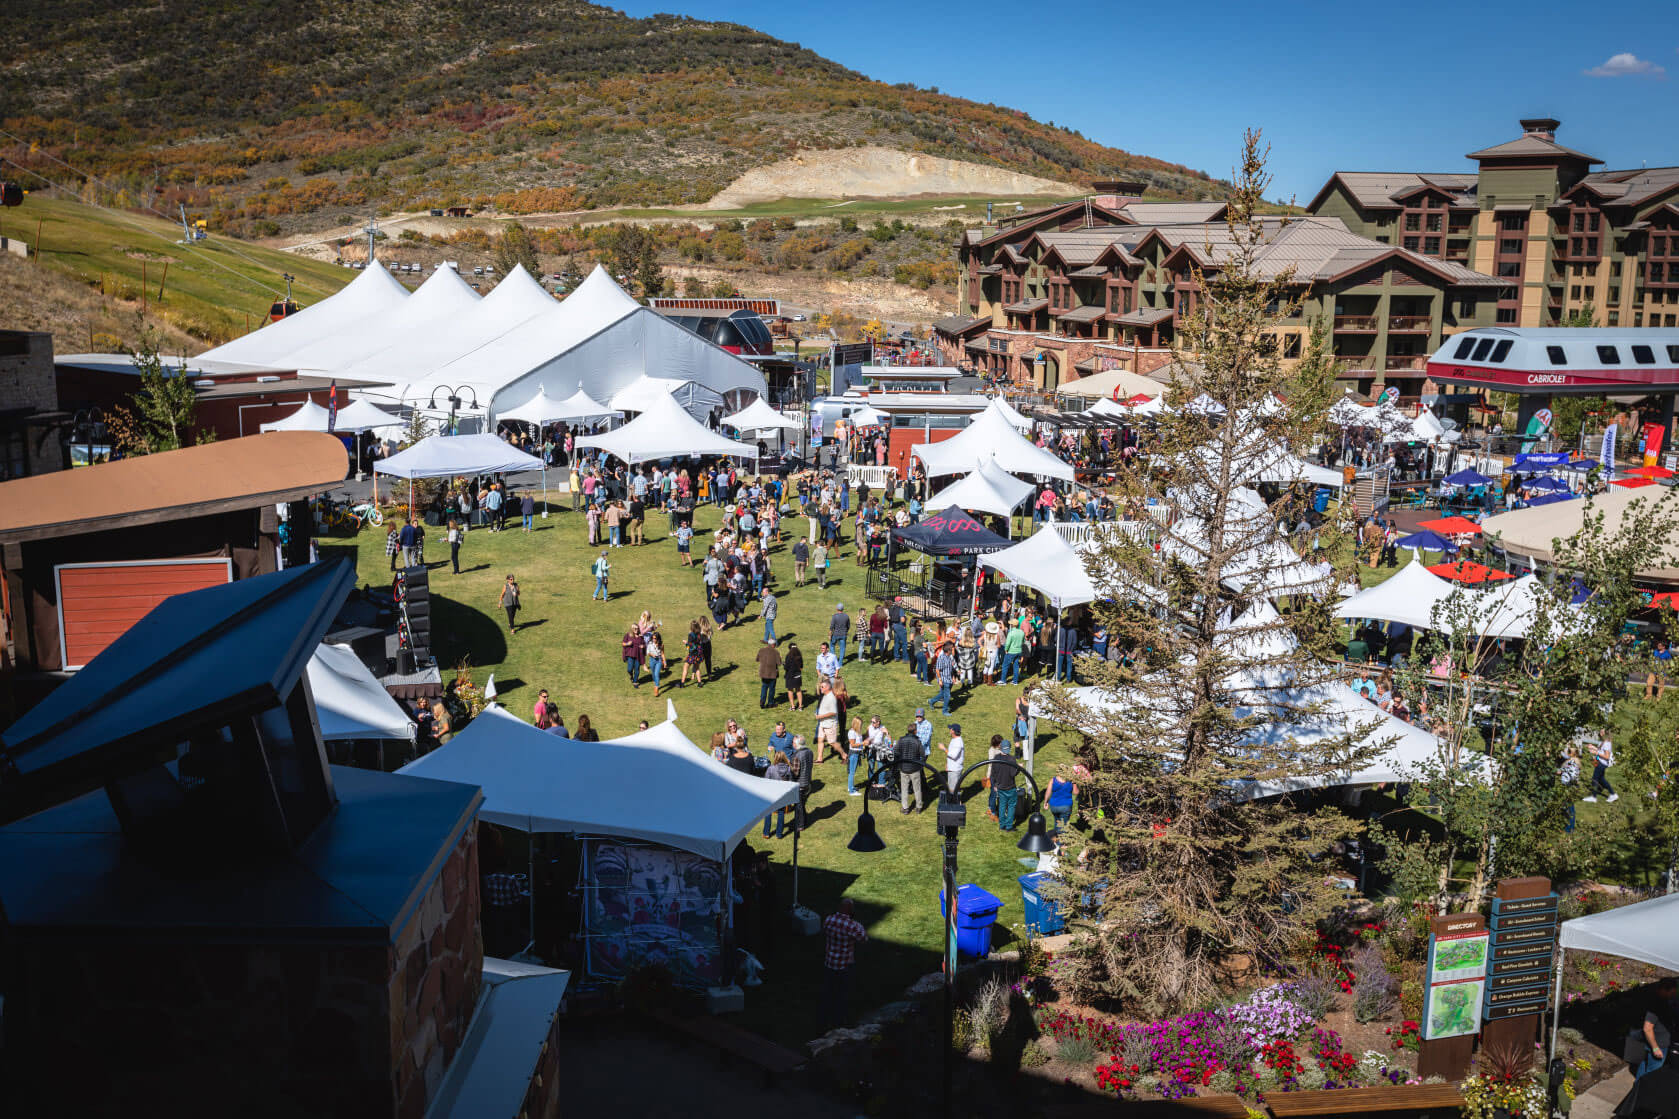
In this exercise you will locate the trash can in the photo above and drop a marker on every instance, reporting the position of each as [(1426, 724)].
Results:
[(1042, 915), (976, 912), (1320, 500)]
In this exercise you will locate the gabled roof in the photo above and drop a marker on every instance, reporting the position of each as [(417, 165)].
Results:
[(1030, 221), (1088, 313), (1174, 213), (958, 325), (1380, 190), (1629, 188), (1531, 145)]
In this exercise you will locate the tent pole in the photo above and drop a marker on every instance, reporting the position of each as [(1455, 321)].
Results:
[(530, 880), (1556, 1001), (796, 830)]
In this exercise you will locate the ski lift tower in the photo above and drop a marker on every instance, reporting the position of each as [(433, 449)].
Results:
[(372, 231)]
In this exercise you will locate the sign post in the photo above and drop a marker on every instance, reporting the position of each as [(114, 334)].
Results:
[(1524, 941), (1453, 991)]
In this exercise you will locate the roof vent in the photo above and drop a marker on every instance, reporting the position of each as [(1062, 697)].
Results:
[(1543, 127)]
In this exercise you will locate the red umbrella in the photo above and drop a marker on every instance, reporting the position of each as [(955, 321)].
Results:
[(1665, 598), (1140, 398), (1450, 526), (1651, 472), (1631, 483), (1465, 571)]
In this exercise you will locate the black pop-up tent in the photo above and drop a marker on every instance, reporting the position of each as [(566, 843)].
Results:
[(950, 533)]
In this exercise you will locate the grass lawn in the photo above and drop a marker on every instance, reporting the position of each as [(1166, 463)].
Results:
[(210, 290), (569, 645)]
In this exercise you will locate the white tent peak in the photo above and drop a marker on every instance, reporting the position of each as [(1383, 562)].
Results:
[(759, 416), (1010, 413), (373, 292), (990, 435), (988, 488), (520, 290), (665, 430), (1046, 563), (307, 416)]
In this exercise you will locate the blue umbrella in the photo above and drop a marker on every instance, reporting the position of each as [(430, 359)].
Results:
[(1433, 541), (1467, 478), (1581, 466), (1552, 498), (1554, 485)]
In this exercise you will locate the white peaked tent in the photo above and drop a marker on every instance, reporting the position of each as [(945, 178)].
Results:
[(1257, 633), (446, 456), (360, 415), (1048, 564), (1011, 413), (515, 300), (577, 407), (537, 410), (1347, 412), (1108, 407), (1408, 596), (1149, 407), (642, 393), (990, 435), (759, 416), (660, 792), (1204, 405), (1642, 931), (372, 293), (1265, 567), (665, 430), (427, 314), (597, 304), (1426, 428), (349, 701), (987, 489), (308, 416)]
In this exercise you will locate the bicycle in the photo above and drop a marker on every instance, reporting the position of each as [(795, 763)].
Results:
[(331, 516)]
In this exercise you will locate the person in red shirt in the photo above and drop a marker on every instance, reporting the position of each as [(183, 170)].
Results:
[(841, 933)]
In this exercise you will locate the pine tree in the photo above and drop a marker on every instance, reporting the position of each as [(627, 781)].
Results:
[(515, 249), (1196, 874)]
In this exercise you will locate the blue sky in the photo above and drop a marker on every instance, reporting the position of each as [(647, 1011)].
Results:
[(1334, 86)]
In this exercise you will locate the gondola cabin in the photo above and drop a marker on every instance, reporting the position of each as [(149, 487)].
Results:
[(1565, 361), (280, 308), (11, 194)]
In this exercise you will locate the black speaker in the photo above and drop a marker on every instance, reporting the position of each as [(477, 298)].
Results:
[(405, 661)]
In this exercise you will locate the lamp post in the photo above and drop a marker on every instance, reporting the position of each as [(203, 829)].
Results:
[(454, 399), (952, 817), (88, 421)]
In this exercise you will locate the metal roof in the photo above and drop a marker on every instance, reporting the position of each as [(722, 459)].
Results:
[(1088, 313), (1531, 145)]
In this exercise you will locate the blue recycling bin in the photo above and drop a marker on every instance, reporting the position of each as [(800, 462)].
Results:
[(1320, 500), (976, 912), (1042, 915)]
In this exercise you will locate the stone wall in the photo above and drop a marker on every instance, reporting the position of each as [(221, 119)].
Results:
[(27, 380), (435, 972)]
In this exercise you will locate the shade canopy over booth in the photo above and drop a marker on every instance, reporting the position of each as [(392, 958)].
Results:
[(1110, 408), (540, 409), (1409, 596), (362, 415), (1531, 532), (308, 416), (1643, 931), (1124, 382), (1049, 565), (987, 489), (641, 394), (950, 533), (1010, 413), (446, 456), (665, 430), (372, 293), (349, 701), (759, 416), (990, 435), (659, 788)]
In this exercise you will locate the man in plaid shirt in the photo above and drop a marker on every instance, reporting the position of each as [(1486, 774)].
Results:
[(393, 544), (841, 934)]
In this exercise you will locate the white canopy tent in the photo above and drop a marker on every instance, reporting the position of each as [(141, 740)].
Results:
[(1204, 405), (1048, 564), (308, 416), (1266, 567), (442, 300), (349, 702), (1110, 408), (1012, 414), (665, 430), (1106, 384), (759, 416), (867, 416), (577, 407), (1408, 596), (640, 395), (655, 787), (446, 456), (1257, 633), (990, 435), (1643, 931), (361, 415), (371, 294), (517, 299), (987, 489)]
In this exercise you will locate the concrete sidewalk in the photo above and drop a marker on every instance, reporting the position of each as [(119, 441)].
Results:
[(1598, 1101)]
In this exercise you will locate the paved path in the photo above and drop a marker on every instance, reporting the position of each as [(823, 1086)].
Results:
[(1598, 1102)]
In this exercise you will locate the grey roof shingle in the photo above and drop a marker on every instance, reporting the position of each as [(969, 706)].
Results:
[(1531, 145)]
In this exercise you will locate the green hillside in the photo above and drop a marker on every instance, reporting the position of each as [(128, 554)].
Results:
[(272, 116), (209, 290)]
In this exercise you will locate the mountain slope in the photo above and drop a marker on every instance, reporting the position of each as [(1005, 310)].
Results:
[(272, 114)]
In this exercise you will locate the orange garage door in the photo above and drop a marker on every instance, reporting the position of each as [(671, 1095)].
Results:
[(97, 602)]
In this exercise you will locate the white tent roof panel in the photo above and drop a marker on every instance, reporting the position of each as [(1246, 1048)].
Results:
[(445, 456), (427, 314), (349, 701), (1048, 564), (665, 430), (990, 435), (372, 293), (987, 489), (1643, 931)]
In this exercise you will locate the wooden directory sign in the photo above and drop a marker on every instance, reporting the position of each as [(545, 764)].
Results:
[(1519, 974), (1452, 994)]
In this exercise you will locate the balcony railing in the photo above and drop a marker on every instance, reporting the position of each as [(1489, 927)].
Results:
[(1357, 322), (1408, 324), (1363, 363), (1404, 362)]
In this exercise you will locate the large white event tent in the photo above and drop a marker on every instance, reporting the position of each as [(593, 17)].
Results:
[(427, 314), (990, 435), (1642, 931), (1048, 564), (349, 702), (988, 488), (1121, 381), (516, 300), (641, 394), (373, 293), (656, 786), (1012, 414), (665, 430)]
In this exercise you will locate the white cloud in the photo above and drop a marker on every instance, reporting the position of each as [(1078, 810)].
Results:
[(1626, 65)]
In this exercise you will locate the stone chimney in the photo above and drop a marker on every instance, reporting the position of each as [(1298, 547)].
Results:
[(1544, 128)]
